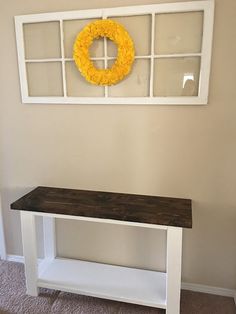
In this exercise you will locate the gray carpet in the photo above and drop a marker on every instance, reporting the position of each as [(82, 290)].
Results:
[(13, 300)]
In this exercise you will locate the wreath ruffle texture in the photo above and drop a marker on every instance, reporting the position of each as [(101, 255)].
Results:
[(125, 52)]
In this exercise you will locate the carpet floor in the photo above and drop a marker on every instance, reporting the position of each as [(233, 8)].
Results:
[(13, 300)]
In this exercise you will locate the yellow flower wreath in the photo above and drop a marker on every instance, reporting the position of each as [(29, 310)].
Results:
[(125, 56)]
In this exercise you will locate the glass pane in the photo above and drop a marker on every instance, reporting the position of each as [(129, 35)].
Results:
[(176, 76), (178, 32), (71, 30), (77, 84), (140, 35), (111, 48), (44, 79), (42, 40), (136, 84)]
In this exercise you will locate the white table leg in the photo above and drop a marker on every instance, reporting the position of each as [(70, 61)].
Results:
[(174, 260), (49, 238), (30, 252)]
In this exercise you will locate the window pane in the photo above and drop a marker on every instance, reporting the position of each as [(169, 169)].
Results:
[(139, 28), (77, 84), (111, 48), (44, 79), (178, 32), (176, 76), (136, 84), (42, 40), (71, 30)]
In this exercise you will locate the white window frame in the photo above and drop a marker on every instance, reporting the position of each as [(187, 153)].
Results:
[(206, 6)]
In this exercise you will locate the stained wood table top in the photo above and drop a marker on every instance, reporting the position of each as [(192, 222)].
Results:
[(108, 205)]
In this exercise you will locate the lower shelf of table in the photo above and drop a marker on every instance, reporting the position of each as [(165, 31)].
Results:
[(105, 281)]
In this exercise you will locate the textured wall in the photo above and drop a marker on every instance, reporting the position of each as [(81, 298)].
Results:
[(182, 151)]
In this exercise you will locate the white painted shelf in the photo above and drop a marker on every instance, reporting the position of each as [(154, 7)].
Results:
[(105, 281)]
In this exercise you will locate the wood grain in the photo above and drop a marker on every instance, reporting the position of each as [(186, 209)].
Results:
[(108, 205)]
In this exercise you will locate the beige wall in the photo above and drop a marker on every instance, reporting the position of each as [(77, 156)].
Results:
[(175, 150)]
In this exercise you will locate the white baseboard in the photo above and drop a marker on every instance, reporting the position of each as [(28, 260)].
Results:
[(186, 286), (209, 289), (18, 259), (15, 258)]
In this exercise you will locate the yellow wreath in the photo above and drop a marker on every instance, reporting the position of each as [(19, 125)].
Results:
[(125, 56)]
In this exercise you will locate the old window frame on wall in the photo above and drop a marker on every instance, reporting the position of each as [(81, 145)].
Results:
[(207, 7)]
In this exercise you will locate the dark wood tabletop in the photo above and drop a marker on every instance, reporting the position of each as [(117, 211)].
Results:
[(108, 205)]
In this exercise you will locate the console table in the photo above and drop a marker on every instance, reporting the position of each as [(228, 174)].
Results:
[(150, 288)]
